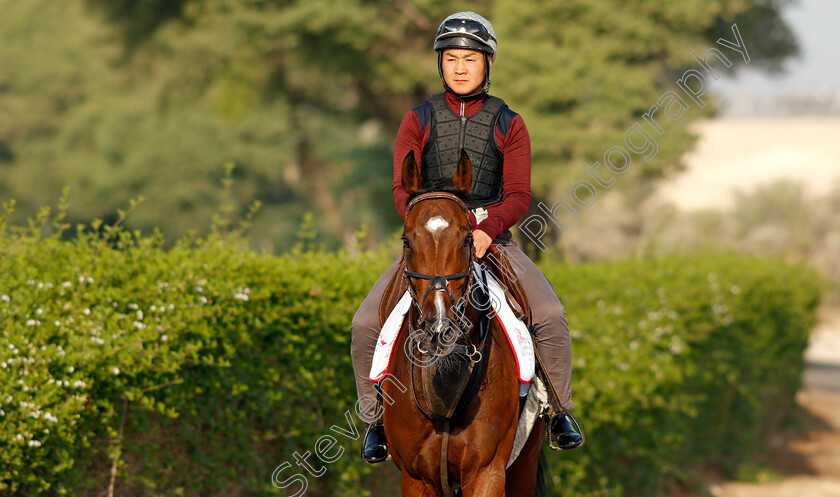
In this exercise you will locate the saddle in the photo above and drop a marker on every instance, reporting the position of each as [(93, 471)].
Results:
[(495, 259), (393, 292), (514, 292)]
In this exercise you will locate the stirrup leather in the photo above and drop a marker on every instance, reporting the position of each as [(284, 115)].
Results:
[(377, 423)]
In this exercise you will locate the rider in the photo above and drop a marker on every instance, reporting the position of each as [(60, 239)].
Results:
[(501, 159)]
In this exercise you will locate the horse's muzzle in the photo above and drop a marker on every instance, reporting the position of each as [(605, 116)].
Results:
[(438, 337)]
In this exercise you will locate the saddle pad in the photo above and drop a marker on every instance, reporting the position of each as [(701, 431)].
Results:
[(515, 330), (535, 404), (388, 337)]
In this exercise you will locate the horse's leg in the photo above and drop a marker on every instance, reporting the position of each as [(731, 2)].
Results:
[(412, 487), (489, 482), (521, 478)]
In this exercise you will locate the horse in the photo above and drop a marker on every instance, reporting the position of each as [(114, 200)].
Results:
[(453, 408)]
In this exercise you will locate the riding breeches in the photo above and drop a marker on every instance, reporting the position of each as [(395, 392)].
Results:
[(548, 317)]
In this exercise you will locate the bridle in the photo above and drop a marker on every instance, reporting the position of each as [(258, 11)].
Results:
[(437, 282), (475, 353)]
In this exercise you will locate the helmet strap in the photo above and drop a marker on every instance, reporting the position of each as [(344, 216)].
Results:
[(486, 85)]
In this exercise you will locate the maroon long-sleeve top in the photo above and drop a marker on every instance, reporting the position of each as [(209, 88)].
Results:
[(514, 145)]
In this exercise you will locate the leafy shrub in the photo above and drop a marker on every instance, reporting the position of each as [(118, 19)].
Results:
[(199, 369), (681, 362)]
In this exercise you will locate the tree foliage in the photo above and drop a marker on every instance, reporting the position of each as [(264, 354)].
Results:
[(148, 97)]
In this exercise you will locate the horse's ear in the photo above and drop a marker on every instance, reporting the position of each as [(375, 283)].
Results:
[(410, 176), (463, 173)]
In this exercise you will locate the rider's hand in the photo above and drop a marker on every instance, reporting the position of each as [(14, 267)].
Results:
[(481, 241)]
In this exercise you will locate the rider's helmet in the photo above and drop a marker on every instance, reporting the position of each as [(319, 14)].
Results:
[(467, 30)]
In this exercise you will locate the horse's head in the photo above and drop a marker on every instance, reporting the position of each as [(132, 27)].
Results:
[(438, 251)]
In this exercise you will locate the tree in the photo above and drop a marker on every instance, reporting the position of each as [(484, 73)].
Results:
[(305, 96)]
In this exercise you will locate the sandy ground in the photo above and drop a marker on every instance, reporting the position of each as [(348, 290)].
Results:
[(824, 346), (740, 154)]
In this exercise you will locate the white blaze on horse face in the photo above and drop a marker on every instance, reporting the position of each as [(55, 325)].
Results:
[(440, 306), (436, 223)]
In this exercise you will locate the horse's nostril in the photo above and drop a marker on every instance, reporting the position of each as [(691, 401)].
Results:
[(425, 336), (448, 336), (439, 336), (437, 329)]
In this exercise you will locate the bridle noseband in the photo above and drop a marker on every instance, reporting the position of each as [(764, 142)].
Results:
[(437, 283)]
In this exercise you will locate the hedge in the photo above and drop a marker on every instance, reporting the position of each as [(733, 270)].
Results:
[(200, 368), (682, 364)]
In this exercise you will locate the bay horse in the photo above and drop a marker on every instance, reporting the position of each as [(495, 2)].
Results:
[(451, 427)]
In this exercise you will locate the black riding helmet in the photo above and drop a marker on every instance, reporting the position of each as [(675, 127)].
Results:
[(467, 30)]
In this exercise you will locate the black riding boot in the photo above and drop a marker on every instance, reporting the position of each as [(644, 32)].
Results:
[(375, 447), (563, 435)]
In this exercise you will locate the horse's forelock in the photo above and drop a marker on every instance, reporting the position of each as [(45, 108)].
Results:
[(442, 187), (417, 199)]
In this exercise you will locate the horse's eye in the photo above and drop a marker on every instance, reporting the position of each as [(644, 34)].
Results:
[(405, 241), (468, 240)]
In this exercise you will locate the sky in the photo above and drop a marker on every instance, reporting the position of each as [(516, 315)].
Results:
[(815, 24)]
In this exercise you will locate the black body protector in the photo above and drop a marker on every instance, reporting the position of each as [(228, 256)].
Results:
[(449, 133)]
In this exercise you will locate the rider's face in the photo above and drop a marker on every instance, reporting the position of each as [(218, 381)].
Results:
[(463, 70)]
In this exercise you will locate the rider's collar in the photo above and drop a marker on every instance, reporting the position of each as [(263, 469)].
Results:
[(455, 98)]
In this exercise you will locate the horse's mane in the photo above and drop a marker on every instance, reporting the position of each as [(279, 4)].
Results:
[(445, 186)]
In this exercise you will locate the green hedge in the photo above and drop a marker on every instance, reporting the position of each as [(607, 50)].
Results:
[(680, 364), (199, 369)]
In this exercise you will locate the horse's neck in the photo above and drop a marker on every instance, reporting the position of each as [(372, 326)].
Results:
[(446, 381)]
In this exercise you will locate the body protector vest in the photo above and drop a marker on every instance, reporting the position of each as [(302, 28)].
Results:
[(449, 133)]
